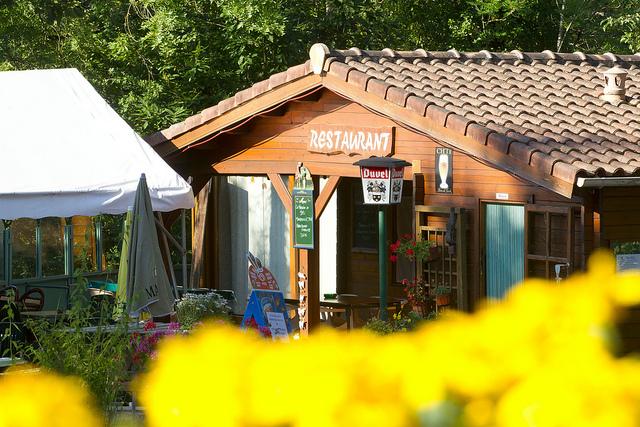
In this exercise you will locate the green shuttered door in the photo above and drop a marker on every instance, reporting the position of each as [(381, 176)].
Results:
[(504, 237)]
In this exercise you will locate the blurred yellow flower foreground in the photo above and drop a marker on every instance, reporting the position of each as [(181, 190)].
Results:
[(35, 399), (542, 357)]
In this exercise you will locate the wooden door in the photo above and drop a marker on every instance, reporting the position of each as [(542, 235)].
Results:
[(504, 249)]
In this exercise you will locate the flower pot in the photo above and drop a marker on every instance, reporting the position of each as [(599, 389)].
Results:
[(422, 309), (443, 299)]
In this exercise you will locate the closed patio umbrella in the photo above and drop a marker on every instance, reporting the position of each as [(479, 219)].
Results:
[(148, 285), (121, 291)]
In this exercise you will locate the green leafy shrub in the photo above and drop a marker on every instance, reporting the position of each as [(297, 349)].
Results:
[(627, 248), (400, 322), (70, 345)]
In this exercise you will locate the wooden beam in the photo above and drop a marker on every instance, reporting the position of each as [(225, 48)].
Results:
[(325, 195), (198, 243), (313, 97), (250, 108), (609, 181), (281, 189), (277, 112), (265, 167)]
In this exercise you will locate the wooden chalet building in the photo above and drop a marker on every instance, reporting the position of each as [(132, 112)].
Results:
[(544, 166)]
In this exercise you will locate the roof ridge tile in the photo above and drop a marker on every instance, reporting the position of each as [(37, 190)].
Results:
[(438, 114)]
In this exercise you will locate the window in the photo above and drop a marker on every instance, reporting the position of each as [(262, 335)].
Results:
[(365, 221), (176, 255), (2, 254), (549, 241), (84, 244), (111, 233), (23, 239), (627, 255), (38, 248), (52, 246)]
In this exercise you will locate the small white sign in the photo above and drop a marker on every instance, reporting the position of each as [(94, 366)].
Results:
[(277, 326), (444, 170), (628, 262), (502, 196)]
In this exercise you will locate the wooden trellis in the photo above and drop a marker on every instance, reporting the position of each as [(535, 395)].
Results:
[(450, 268)]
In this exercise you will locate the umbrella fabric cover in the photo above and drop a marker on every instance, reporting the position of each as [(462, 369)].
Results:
[(148, 285), (123, 268)]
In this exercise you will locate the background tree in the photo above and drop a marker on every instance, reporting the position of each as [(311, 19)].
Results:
[(159, 61), (627, 24)]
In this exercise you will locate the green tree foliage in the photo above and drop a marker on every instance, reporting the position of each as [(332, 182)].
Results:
[(159, 61), (628, 24), (535, 25)]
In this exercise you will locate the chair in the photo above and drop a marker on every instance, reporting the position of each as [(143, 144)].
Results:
[(32, 300), (334, 317), (101, 304)]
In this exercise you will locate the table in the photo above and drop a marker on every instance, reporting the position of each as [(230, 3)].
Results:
[(349, 303)]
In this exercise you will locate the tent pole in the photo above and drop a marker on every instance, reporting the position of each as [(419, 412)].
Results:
[(167, 234)]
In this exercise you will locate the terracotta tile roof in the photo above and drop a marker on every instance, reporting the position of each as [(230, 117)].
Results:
[(542, 109)]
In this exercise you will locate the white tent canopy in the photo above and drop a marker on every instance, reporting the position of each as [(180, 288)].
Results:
[(64, 151)]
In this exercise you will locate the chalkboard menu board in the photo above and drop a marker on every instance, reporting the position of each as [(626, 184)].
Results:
[(303, 213), (365, 222)]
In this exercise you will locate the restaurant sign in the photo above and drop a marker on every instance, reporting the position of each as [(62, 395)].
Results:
[(350, 140), (381, 185)]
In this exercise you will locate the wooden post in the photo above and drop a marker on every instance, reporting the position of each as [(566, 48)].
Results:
[(306, 261), (303, 314), (461, 261), (198, 242), (310, 266), (293, 253)]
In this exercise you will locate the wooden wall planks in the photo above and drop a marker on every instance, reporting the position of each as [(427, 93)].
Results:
[(274, 144)]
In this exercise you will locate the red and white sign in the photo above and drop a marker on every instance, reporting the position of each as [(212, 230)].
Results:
[(381, 186), (329, 139)]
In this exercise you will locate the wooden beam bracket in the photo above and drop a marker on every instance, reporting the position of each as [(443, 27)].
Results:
[(325, 195), (282, 190)]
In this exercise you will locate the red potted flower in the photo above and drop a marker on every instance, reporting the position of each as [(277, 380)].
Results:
[(412, 249)]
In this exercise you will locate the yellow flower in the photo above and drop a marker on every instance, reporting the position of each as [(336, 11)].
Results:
[(199, 378), (540, 357), (33, 398)]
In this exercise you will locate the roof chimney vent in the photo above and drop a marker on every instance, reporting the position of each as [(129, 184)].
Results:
[(317, 54), (614, 90)]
